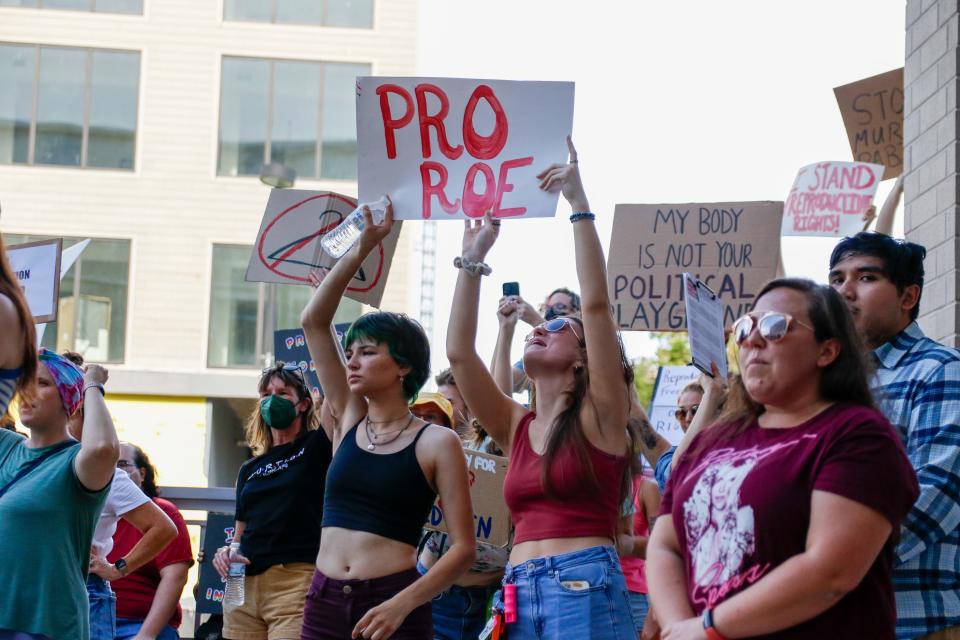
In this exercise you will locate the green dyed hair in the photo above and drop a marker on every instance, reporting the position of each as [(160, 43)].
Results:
[(406, 342)]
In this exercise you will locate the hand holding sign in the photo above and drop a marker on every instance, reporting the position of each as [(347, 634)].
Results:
[(478, 237)]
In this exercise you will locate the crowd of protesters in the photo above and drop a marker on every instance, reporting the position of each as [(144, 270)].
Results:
[(812, 495)]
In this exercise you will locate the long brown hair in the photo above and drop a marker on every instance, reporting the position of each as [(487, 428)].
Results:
[(845, 380), (10, 287), (567, 430), (258, 434)]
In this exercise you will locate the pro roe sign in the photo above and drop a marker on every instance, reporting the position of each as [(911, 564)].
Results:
[(452, 148)]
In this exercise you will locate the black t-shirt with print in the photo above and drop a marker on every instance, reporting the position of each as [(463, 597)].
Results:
[(280, 500)]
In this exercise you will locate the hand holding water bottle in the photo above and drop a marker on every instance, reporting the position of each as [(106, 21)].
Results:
[(223, 558), (337, 242), (374, 232)]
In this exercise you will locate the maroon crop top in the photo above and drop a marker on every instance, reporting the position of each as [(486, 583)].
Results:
[(576, 511)]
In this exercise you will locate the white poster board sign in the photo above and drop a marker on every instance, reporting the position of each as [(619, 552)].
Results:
[(67, 257), (37, 267), (671, 379), (288, 243), (830, 198), (452, 148)]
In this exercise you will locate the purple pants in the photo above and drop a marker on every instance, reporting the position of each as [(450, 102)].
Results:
[(334, 607)]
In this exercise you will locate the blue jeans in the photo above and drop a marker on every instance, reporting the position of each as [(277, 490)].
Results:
[(572, 595), (127, 628), (103, 608), (460, 612), (639, 606)]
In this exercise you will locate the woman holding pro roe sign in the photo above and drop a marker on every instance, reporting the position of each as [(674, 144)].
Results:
[(570, 460)]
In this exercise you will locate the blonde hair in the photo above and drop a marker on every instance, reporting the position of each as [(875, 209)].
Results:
[(258, 434)]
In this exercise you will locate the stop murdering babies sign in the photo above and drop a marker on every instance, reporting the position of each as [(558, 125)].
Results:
[(451, 148)]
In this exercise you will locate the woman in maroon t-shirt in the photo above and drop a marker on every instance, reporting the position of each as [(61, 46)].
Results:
[(782, 516)]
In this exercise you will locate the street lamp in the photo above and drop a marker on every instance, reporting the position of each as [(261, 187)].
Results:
[(280, 176)]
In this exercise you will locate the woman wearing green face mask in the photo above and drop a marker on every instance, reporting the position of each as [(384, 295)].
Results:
[(279, 508)]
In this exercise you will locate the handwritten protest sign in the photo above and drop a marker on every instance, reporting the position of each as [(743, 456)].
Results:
[(671, 379), (446, 148), (732, 247), (216, 533), (872, 111), (290, 347), (830, 198), (490, 515), (37, 268), (67, 257), (288, 244)]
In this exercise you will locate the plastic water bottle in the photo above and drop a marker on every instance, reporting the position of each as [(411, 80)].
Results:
[(338, 241), (233, 594)]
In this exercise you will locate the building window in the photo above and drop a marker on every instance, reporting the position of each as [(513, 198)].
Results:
[(301, 114), (67, 106), (244, 315), (92, 314), (329, 13), (99, 6)]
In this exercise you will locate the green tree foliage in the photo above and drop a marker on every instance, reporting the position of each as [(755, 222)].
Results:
[(672, 348)]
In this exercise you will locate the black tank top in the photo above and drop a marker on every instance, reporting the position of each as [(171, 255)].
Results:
[(385, 494)]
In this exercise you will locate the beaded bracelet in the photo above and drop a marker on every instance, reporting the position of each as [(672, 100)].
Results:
[(471, 267), (582, 215)]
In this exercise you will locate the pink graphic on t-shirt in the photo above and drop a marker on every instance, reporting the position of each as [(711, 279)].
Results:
[(720, 531)]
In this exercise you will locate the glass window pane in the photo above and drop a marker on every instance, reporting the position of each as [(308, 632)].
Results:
[(338, 157), (94, 322), (253, 10), (119, 6), (16, 101), (73, 5), (296, 113), (233, 309), (113, 109), (243, 116), (299, 11), (60, 106), (350, 13)]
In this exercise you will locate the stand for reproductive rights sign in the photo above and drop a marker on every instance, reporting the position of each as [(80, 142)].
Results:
[(452, 148)]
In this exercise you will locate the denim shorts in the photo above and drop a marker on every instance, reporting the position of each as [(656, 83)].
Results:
[(639, 607), (460, 612), (579, 595), (103, 608), (127, 629)]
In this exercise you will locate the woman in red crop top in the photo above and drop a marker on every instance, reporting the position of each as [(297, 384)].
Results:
[(388, 467), (570, 462)]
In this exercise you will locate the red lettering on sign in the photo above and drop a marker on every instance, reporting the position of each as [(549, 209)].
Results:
[(435, 121), (505, 187), (389, 122), (430, 189), (485, 147), (474, 204)]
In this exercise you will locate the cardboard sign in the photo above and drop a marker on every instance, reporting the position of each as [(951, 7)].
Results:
[(451, 148), (290, 346), (830, 198), (217, 532), (490, 514), (37, 267), (288, 244), (733, 247), (872, 111)]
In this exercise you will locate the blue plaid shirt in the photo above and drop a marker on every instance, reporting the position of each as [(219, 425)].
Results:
[(918, 389)]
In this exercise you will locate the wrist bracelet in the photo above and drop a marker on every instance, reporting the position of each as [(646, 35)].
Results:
[(582, 215), (708, 628), (471, 267), (94, 385)]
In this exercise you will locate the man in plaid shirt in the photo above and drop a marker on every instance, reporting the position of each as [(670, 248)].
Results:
[(918, 388)]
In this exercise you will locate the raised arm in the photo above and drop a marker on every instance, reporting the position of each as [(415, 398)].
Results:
[(317, 318), (498, 413), (889, 209), (714, 394), (99, 446), (500, 365), (652, 444), (603, 345)]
